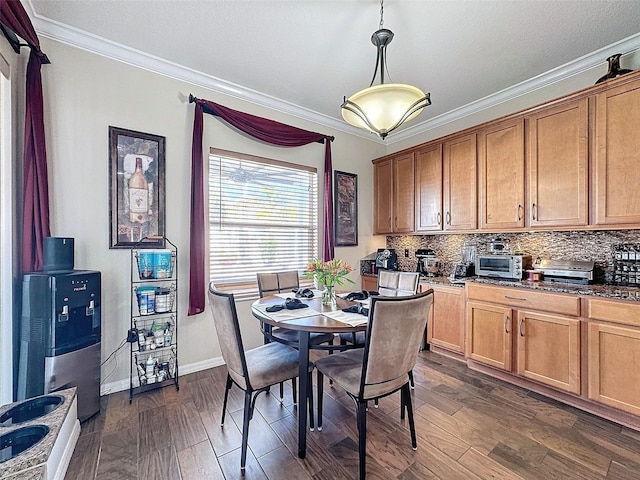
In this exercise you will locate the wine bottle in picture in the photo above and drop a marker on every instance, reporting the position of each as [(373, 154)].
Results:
[(138, 195)]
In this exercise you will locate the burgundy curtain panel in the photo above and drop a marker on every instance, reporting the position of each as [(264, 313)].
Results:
[(36, 189), (263, 129)]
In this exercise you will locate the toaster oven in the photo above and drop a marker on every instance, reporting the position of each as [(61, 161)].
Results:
[(509, 267)]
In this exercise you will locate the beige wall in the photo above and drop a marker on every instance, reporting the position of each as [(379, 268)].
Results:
[(85, 94)]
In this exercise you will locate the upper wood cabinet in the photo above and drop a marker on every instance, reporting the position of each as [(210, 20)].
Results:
[(429, 188), (460, 172), (617, 155), (393, 194), (557, 153), (501, 167)]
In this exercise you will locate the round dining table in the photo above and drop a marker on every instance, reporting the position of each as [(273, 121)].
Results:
[(316, 318)]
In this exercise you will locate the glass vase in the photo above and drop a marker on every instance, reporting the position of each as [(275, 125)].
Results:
[(329, 296)]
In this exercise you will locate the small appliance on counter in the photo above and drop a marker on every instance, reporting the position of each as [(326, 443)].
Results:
[(507, 267), (566, 271), (368, 264), (466, 268), (428, 263), (387, 259)]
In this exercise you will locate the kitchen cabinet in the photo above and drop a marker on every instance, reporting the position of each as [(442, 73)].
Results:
[(369, 283), (502, 173), (543, 328), (394, 195), (557, 153), (460, 179), (613, 353), (617, 155), (548, 349), (445, 327), (428, 187)]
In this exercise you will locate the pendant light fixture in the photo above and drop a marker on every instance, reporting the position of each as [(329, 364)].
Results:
[(383, 108)]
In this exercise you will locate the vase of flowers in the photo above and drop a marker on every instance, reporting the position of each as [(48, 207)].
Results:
[(327, 275)]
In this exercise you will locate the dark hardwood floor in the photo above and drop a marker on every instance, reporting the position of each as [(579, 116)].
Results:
[(469, 427)]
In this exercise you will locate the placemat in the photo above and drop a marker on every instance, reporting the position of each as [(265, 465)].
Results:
[(353, 319)]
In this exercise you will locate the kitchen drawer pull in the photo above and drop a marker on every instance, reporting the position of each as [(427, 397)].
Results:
[(515, 298), (506, 323), (520, 327), (520, 212)]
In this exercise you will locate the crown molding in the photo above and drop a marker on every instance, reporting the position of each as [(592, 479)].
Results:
[(92, 43)]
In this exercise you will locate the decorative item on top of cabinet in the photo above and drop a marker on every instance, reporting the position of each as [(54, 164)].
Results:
[(501, 166), (460, 196), (614, 68), (558, 156), (393, 194), (428, 203), (616, 173), (154, 316)]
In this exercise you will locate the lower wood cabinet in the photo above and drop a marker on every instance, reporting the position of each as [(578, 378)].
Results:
[(540, 346), (369, 283), (445, 327), (548, 350), (613, 353)]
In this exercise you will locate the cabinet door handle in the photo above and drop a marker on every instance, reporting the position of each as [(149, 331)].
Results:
[(520, 212), (520, 327), (396, 222), (515, 298), (439, 217), (389, 222), (506, 324), (534, 211), (448, 218)]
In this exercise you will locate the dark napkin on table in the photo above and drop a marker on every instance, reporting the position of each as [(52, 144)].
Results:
[(275, 308), (357, 309), (294, 303)]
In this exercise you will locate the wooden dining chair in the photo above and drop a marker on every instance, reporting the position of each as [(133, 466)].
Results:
[(255, 370), (382, 367)]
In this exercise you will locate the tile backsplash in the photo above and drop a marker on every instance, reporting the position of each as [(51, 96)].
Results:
[(575, 245)]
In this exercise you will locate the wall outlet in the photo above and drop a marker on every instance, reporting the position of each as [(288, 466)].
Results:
[(406, 252)]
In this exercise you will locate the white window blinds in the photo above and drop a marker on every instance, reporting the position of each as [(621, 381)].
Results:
[(262, 218)]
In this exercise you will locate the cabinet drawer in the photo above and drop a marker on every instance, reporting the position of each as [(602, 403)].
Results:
[(617, 311), (524, 298)]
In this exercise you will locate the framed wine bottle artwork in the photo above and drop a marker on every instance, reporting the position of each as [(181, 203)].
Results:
[(137, 191)]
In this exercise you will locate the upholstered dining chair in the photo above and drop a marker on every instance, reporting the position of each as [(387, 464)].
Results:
[(253, 371), (286, 282), (382, 367)]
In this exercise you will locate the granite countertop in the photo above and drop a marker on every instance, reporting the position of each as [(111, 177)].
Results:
[(594, 290), (39, 453)]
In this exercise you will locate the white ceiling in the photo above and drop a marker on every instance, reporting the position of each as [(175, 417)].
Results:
[(303, 56)]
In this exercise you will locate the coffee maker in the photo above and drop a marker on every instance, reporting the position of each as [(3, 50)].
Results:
[(387, 259)]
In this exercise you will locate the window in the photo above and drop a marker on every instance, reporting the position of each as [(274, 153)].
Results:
[(262, 218)]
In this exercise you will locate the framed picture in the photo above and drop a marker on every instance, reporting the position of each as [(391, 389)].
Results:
[(136, 193), (345, 201)]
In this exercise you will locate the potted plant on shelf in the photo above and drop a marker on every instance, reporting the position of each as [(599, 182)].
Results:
[(327, 275)]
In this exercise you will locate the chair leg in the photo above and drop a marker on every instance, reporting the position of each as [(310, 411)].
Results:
[(362, 437), (245, 430), (310, 401), (294, 391), (320, 394), (402, 403), (281, 392), (375, 403), (226, 396), (412, 425), (411, 379)]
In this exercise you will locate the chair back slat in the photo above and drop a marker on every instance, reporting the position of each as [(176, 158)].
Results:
[(398, 284), (277, 282), (396, 327), (225, 317)]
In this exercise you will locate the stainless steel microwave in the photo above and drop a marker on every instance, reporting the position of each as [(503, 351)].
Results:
[(510, 267)]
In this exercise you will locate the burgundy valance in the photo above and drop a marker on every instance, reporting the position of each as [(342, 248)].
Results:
[(36, 188), (263, 129)]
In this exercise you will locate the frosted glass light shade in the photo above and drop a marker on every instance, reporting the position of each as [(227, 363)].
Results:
[(382, 108)]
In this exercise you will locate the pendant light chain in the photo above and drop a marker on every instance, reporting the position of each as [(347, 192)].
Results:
[(381, 14)]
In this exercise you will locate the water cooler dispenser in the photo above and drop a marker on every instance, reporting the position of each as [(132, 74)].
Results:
[(60, 336)]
